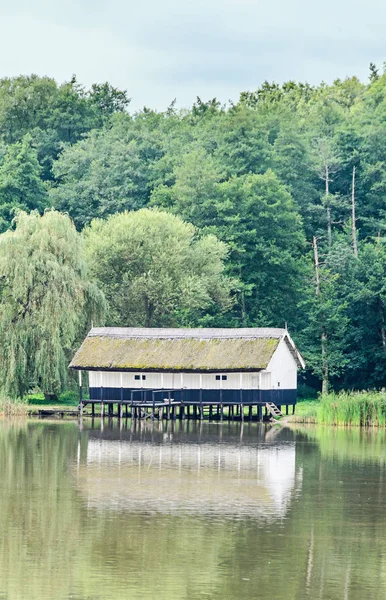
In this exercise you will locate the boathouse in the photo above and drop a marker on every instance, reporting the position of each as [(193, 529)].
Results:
[(189, 368)]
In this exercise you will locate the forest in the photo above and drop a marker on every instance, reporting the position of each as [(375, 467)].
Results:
[(266, 212)]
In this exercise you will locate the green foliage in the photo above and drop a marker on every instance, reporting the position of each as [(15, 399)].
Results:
[(264, 176), (47, 301), (155, 270), (20, 184), (100, 176)]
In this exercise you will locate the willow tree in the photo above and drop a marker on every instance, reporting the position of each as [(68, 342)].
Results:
[(156, 270), (46, 301)]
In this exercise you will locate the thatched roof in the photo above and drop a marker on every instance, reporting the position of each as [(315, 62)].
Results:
[(136, 349)]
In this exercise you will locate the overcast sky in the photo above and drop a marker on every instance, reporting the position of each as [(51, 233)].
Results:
[(164, 49)]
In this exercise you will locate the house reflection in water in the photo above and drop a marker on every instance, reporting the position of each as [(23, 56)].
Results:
[(156, 471)]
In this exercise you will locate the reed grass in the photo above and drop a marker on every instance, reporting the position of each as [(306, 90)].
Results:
[(366, 409), (13, 408)]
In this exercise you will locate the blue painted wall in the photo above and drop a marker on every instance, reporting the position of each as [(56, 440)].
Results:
[(280, 397)]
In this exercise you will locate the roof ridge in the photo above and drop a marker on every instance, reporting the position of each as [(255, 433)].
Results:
[(198, 333)]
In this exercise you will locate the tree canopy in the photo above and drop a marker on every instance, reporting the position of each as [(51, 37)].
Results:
[(155, 269), (289, 181), (47, 301)]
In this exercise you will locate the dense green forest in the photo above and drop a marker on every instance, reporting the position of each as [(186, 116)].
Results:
[(260, 213)]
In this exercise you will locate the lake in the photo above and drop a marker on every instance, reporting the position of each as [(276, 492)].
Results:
[(176, 511)]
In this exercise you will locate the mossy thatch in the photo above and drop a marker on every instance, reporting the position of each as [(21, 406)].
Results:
[(190, 354)]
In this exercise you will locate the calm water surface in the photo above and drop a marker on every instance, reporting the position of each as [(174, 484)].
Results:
[(175, 512)]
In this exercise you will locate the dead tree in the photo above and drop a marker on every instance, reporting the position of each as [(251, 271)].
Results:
[(323, 335), (353, 217)]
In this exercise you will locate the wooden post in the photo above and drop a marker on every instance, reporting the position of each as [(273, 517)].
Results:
[(120, 410), (201, 412), (250, 413), (80, 387), (93, 409), (102, 409)]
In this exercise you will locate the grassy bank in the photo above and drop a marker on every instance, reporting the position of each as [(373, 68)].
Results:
[(366, 409), (66, 401)]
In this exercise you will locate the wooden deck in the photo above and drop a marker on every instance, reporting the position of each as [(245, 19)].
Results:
[(169, 409)]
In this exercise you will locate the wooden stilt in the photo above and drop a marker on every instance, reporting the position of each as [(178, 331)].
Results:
[(293, 409), (286, 409), (120, 410), (93, 409), (102, 409), (250, 413)]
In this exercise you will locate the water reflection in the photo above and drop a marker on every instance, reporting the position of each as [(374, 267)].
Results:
[(192, 512), (173, 470)]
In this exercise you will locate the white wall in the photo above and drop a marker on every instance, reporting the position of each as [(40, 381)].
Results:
[(193, 381), (283, 368), (280, 373)]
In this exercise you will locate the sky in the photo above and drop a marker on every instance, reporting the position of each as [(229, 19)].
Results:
[(164, 50)]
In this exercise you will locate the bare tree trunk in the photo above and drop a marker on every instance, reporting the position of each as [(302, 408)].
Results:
[(353, 218), (324, 363), (329, 224), (383, 331), (243, 310), (148, 312), (316, 260), (323, 337)]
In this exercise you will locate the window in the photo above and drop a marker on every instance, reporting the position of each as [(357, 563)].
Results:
[(218, 377), (137, 377), (224, 377), (143, 376)]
